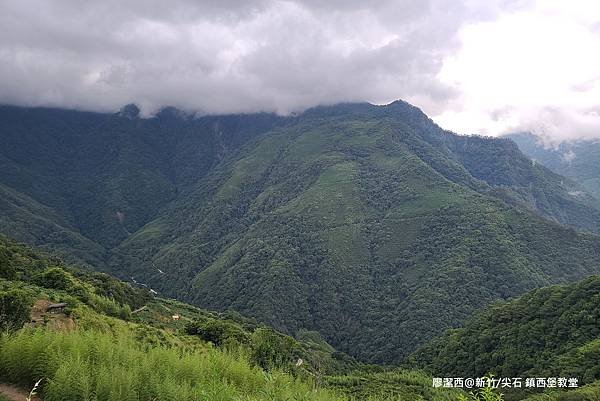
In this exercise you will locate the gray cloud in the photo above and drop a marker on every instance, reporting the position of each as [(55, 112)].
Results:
[(230, 56)]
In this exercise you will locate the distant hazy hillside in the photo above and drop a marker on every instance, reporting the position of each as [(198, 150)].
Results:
[(366, 223), (579, 160)]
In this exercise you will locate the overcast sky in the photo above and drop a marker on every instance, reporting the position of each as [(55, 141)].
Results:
[(475, 66)]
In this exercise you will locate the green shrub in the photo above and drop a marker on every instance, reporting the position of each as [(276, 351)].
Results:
[(109, 287), (485, 394), (109, 307), (54, 278), (271, 350), (7, 268), (14, 309), (80, 292), (218, 332)]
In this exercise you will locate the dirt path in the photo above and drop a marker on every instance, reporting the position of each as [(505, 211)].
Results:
[(15, 393), (140, 309)]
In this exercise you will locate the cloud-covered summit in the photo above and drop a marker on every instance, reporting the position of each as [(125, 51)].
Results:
[(263, 55)]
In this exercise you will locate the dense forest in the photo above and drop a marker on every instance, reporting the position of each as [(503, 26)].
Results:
[(368, 224), (548, 332)]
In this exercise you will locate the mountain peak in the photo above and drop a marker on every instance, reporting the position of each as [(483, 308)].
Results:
[(171, 112), (130, 111)]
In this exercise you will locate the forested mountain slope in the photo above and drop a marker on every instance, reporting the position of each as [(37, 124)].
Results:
[(369, 224), (548, 332), (106, 175)]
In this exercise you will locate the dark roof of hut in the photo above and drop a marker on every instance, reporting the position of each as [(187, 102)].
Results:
[(56, 306)]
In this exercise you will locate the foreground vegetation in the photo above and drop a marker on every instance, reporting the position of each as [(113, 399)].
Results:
[(548, 332), (116, 342), (89, 365), (590, 392)]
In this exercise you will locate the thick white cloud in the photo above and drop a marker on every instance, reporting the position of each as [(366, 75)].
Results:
[(536, 69), (229, 56), (475, 66)]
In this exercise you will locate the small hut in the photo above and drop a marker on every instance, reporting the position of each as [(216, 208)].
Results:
[(56, 308)]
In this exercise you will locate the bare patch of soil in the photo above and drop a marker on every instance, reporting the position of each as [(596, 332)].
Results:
[(14, 393)]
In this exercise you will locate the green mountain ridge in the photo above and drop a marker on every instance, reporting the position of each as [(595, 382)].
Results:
[(369, 224), (548, 332)]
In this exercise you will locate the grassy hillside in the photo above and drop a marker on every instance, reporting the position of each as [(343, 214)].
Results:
[(368, 224), (116, 342), (93, 365), (549, 332), (27, 276), (590, 392)]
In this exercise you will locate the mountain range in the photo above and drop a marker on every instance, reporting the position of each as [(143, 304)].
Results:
[(369, 224)]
